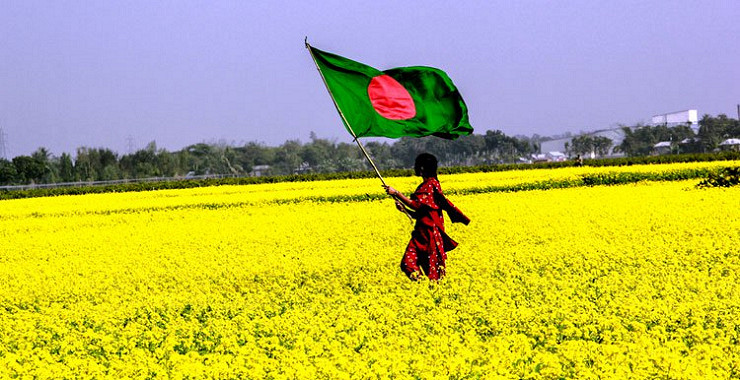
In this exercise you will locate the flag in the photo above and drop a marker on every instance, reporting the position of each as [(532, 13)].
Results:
[(406, 101)]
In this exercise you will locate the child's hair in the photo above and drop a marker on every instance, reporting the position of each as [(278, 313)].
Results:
[(426, 165)]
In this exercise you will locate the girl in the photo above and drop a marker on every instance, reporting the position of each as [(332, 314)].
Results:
[(427, 250)]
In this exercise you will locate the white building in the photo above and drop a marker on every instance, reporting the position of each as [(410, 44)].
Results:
[(259, 170), (663, 147), (614, 134), (730, 144), (677, 118)]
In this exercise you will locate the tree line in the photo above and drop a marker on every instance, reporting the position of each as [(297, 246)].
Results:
[(712, 132), (640, 140), (321, 155)]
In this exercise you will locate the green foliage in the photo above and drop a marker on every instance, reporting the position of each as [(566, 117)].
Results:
[(29, 169), (8, 173), (492, 151), (713, 130), (586, 180), (725, 177), (623, 178), (585, 144), (639, 141), (293, 157), (621, 161)]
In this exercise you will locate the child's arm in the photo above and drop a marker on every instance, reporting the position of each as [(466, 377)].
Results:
[(400, 197), (401, 207)]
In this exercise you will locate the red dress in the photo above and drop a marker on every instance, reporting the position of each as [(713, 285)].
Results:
[(429, 243)]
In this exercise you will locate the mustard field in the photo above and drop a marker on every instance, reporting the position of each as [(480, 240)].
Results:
[(266, 282)]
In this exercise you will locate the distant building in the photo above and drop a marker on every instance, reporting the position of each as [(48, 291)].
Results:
[(663, 147), (730, 144), (539, 158), (673, 119), (556, 156), (259, 170), (303, 168), (558, 145), (549, 157)]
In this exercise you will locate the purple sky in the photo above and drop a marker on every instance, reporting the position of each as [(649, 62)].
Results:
[(111, 73)]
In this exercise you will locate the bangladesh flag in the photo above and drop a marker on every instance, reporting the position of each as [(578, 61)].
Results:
[(406, 101)]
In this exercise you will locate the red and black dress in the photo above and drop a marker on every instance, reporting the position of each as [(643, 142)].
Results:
[(429, 243)]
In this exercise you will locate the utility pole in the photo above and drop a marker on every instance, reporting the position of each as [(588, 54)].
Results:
[(738, 111), (3, 144), (130, 144)]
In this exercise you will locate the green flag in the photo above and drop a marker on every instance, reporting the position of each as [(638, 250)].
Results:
[(406, 101)]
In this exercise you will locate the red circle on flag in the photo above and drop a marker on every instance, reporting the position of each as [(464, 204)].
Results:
[(390, 99)]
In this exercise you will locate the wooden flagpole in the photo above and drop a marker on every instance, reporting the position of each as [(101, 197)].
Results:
[(349, 127)]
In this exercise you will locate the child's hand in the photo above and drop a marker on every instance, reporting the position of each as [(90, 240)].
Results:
[(390, 191)]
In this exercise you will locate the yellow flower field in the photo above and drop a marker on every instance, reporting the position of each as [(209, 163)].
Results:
[(260, 281)]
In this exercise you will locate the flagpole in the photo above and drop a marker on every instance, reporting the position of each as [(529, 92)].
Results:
[(349, 127)]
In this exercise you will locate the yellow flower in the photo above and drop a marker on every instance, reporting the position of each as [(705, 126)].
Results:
[(274, 281)]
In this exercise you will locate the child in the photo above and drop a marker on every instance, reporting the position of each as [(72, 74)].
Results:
[(429, 243)]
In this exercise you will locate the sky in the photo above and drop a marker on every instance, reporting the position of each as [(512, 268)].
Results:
[(120, 74)]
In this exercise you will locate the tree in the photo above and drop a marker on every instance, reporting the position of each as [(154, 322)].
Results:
[(28, 169), (96, 164), (85, 164), (581, 145), (348, 158), (466, 150), (500, 148), (714, 130), (108, 168), (324, 155), (382, 155), (66, 168), (169, 165), (639, 140), (681, 132), (288, 158), (253, 154), (602, 145), (319, 154), (44, 157), (8, 172), (229, 161), (406, 149), (200, 158)]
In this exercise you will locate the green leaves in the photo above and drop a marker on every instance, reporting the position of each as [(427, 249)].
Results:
[(586, 180), (724, 177)]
